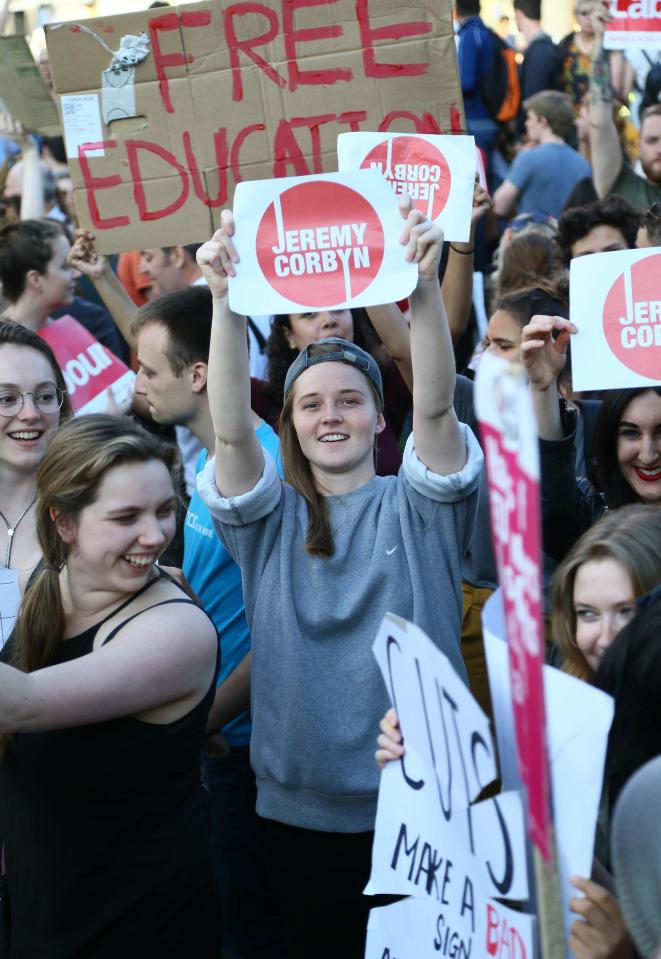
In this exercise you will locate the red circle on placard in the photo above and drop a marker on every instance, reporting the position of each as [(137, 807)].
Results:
[(632, 324), (416, 167), (339, 255)]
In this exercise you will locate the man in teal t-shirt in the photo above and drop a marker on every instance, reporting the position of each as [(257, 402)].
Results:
[(173, 335)]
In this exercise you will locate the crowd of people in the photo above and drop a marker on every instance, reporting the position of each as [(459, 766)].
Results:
[(189, 703)]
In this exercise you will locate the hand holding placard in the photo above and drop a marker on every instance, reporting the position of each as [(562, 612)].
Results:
[(544, 356), (423, 240), (216, 257)]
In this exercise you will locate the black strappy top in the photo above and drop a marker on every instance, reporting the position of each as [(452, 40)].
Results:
[(105, 832)]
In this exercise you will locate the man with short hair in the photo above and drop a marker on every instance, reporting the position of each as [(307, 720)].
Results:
[(542, 177), (601, 227), (474, 57), (611, 172), (170, 268), (542, 63), (173, 354)]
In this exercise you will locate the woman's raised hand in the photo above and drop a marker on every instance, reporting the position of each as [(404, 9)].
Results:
[(423, 240), (83, 256), (600, 933), (543, 356), (390, 740), (217, 257)]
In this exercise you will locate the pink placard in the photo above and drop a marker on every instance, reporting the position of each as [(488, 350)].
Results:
[(510, 446), (89, 368)]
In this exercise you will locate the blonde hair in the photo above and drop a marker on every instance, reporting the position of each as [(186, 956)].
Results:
[(631, 536)]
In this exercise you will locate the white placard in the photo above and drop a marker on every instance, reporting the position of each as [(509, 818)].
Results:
[(431, 840), (438, 172), (616, 307), (81, 121), (578, 720), (318, 242), (420, 928)]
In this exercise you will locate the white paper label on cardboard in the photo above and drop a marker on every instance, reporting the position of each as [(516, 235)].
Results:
[(318, 242), (578, 720), (81, 119), (616, 307), (437, 172)]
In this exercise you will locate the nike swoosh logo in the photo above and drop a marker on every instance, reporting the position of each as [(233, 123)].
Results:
[(389, 552)]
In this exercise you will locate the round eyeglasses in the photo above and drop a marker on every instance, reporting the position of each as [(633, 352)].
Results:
[(48, 399)]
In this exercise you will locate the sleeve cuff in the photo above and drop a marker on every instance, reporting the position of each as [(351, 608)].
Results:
[(445, 489), (248, 507)]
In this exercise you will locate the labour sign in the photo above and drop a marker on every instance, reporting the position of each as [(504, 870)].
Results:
[(616, 307), (633, 24), (437, 172), (318, 242), (89, 368)]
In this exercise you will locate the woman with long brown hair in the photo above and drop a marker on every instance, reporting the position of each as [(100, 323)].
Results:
[(323, 556), (104, 693)]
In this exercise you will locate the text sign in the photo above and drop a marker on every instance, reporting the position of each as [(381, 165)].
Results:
[(616, 307), (633, 24), (432, 841), (89, 368), (578, 720), (194, 99), (25, 95), (437, 172), (311, 243), (509, 436)]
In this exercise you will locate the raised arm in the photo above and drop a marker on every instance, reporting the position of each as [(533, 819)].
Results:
[(119, 304), (457, 285), (544, 343), (606, 150), (239, 456), (438, 440), (390, 323)]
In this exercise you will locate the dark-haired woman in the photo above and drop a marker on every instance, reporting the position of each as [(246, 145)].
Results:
[(626, 444), (103, 714), (33, 402), (323, 556)]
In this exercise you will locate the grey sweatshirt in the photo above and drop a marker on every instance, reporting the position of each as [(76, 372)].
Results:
[(317, 693)]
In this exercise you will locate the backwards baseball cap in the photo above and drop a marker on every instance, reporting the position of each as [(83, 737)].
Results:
[(333, 349)]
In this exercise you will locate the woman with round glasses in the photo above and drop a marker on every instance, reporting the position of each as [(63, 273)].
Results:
[(33, 402)]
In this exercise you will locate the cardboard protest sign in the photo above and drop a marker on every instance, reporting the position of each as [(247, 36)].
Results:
[(616, 307), (181, 104), (578, 720), (89, 368), (318, 242), (25, 95), (509, 435), (432, 840), (437, 172), (633, 24)]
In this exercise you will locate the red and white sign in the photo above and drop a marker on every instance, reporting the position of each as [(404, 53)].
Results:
[(616, 306), (633, 24), (89, 368), (318, 242), (509, 436), (437, 172)]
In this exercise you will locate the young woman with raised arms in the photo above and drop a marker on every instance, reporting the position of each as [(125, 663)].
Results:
[(323, 556)]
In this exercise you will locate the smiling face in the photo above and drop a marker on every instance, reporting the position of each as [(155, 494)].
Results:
[(503, 337), (639, 446), (115, 541), (306, 328), (336, 420), (57, 285), (604, 602), (24, 437)]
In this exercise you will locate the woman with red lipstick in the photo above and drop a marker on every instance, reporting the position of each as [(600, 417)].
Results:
[(33, 403), (626, 445), (103, 713)]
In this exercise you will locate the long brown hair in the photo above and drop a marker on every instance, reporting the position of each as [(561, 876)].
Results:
[(630, 536), (67, 481), (16, 335), (298, 473)]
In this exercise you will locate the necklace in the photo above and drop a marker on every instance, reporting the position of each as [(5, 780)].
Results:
[(12, 529)]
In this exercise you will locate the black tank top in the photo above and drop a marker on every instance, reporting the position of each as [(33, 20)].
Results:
[(106, 836)]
